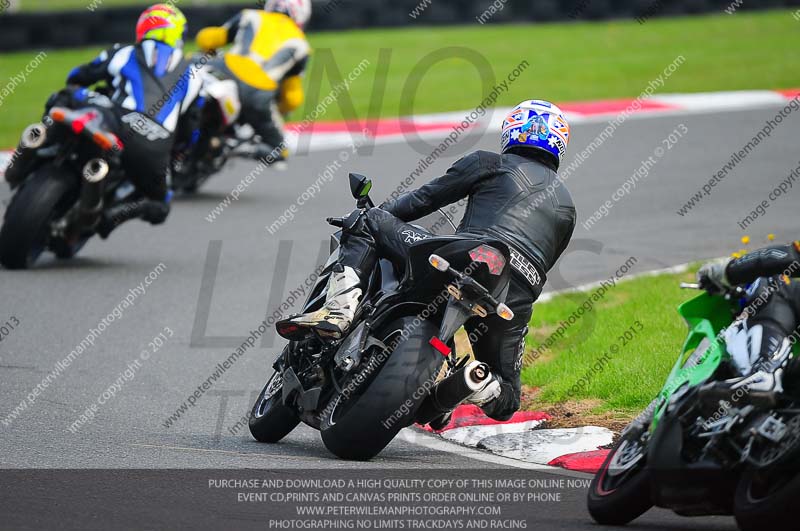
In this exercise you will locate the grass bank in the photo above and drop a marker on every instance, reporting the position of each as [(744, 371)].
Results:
[(567, 61), (612, 361)]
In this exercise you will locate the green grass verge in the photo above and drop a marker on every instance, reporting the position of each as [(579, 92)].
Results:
[(627, 380), (53, 5), (568, 61)]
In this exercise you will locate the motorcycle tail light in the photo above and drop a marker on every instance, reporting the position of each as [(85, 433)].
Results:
[(489, 256), (80, 121)]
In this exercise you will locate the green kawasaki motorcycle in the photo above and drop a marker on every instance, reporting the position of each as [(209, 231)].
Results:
[(701, 455)]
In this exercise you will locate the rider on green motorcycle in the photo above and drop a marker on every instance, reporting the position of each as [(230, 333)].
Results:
[(760, 340)]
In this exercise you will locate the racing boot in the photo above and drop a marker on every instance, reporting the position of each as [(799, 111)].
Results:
[(336, 316), (762, 388), (441, 422), (150, 210), (261, 151)]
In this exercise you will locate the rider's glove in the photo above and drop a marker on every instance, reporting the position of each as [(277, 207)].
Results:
[(712, 276)]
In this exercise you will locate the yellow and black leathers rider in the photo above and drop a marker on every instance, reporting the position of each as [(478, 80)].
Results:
[(267, 58)]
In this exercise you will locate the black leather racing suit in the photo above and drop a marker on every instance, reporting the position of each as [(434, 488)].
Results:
[(773, 300), (766, 262), (515, 199)]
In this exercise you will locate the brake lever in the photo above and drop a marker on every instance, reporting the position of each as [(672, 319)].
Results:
[(736, 291)]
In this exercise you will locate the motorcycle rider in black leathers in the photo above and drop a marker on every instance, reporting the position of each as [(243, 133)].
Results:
[(515, 197), (760, 341)]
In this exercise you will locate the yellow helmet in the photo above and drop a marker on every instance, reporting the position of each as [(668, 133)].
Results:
[(162, 22)]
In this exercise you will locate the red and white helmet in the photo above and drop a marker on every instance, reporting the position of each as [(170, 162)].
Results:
[(297, 10)]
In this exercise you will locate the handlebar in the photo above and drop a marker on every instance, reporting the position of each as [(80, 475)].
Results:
[(736, 291), (336, 222)]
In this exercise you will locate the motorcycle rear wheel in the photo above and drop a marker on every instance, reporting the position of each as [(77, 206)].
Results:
[(42, 198), (620, 498), (361, 426), (765, 499)]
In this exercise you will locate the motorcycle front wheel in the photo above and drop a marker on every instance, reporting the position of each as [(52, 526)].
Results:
[(620, 491)]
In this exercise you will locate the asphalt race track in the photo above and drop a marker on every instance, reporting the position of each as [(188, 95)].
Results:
[(220, 279)]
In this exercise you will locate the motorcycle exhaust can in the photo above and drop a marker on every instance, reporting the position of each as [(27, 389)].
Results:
[(91, 198), (34, 137), (451, 391), (95, 170)]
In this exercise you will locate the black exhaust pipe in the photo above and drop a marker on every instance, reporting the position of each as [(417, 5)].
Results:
[(446, 395)]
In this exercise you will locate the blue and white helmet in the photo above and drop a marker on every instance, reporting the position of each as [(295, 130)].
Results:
[(537, 124)]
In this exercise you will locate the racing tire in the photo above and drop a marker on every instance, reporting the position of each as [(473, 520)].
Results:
[(360, 426), (767, 502), (42, 198), (618, 502), (270, 419)]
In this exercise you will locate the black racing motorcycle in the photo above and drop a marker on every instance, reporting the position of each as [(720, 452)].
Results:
[(387, 372), (65, 171)]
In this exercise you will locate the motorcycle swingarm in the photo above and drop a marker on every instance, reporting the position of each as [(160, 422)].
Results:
[(350, 352), (307, 400)]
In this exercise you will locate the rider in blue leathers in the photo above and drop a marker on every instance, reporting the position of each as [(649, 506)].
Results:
[(152, 87)]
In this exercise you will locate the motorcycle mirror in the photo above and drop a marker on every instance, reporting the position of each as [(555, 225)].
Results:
[(360, 185)]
